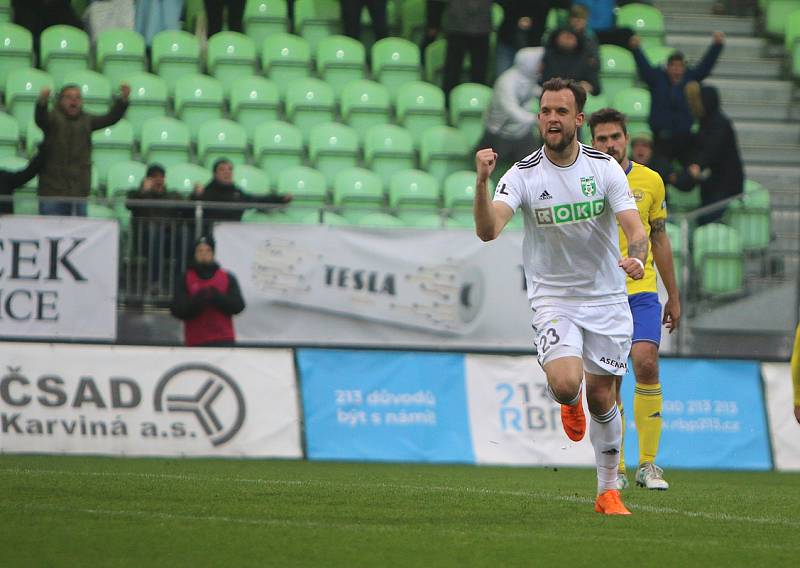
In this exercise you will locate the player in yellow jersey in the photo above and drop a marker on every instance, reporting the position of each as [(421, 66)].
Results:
[(796, 373), (609, 135)]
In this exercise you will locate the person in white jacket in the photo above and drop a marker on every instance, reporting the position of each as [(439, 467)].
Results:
[(509, 122)]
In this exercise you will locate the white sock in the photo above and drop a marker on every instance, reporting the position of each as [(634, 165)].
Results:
[(571, 402), (606, 437)]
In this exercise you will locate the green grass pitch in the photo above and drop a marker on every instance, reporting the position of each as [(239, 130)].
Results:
[(88, 511)]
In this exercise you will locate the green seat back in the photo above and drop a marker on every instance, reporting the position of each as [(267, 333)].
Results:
[(388, 149), (124, 176), (459, 190), (750, 216), (419, 107), (395, 61), (166, 141), (777, 16), (717, 256), (64, 49), (617, 69), (413, 190), (175, 53), (120, 54), (277, 146), (221, 138), (358, 191), (468, 101), (251, 179), (148, 99), (634, 102), (364, 104), (198, 98), (16, 50), (254, 100), (95, 89), (285, 57), (646, 21), (263, 18), (443, 150), (332, 147), (231, 55), (792, 31), (435, 54), (33, 137), (375, 219), (593, 104), (674, 235), (341, 60), (657, 54), (9, 135), (184, 177), (22, 90), (317, 19), (421, 219), (307, 186), (309, 102), (412, 16), (111, 145), (753, 185), (683, 201)]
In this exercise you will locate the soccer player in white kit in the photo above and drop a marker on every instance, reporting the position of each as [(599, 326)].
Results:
[(575, 277)]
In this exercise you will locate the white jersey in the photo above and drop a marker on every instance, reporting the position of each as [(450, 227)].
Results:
[(571, 247)]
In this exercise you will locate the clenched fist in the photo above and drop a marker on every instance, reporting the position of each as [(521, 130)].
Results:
[(633, 267), (485, 162)]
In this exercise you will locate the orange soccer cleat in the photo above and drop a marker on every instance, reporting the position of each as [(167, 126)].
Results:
[(573, 419), (610, 503)]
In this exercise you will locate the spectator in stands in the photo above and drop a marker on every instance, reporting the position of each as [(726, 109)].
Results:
[(434, 10), (509, 122), (153, 187), (11, 180), (214, 9), (153, 16), (670, 117), (351, 17), (206, 298), (565, 57), (578, 19), (222, 189), (602, 22), (642, 153), (467, 25), (38, 15), (68, 147), (716, 163)]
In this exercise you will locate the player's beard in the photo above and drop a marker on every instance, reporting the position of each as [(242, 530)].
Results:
[(566, 140)]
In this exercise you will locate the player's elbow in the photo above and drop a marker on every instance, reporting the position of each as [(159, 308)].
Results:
[(485, 235)]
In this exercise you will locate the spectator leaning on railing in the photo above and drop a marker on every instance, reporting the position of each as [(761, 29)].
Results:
[(11, 180), (66, 171)]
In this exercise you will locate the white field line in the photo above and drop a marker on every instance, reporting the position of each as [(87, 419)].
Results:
[(539, 496)]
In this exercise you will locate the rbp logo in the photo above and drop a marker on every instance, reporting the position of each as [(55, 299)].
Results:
[(206, 392)]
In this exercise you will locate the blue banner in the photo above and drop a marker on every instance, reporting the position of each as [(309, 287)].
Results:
[(384, 406), (713, 416)]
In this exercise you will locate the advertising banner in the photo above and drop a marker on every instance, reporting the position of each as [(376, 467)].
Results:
[(148, 401), (350, 286), (58, 278), (783, 425), (384, 406)]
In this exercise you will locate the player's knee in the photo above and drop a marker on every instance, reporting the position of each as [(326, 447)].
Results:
[(564, 388), (646, 369), (600, 400)]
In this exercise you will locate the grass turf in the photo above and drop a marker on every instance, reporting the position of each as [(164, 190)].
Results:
[(88, 511)]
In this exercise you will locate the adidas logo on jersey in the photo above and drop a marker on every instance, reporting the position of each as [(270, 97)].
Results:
[(545, 195)]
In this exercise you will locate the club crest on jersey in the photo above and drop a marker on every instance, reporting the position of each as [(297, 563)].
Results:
[(638, 195), (588, 186)]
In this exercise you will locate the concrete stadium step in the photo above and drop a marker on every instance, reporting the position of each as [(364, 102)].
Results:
[(754, 111), (753, 92), (694, 46), (786, 222), (775, 178), (769, 153), (703, 24), (748, 69), (696, 7), (765, 133)]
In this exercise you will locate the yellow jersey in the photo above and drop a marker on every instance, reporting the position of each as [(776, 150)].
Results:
[(648, 190), (795, 364)]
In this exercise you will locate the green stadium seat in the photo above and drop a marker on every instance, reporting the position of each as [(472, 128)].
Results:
[(231, 55), (333, 219), (718, 260), (111, 145), (9, 135), (221, 138), (16, 50), (165, 141), (64, 49), (395, 62), (123, 177), (309, 102), (184, 177), (148, 99), (753, 185), (459, 192), (317, 19), (435, 54), (175, 54), (94, 182), (412, 16), (357, 191), (198, 98), (333, 147), (341, 60), (25, 199), (33, 137), (277, 146), (22, 90), (617, 70), (307, 186), (683, 201), (120, 54), (421, 220), (95, 89), (414, 193), (460, 220), (593, 104), (254, 100), (443, 151), (646, 21), (375, 219), (750, 216), (285, 57), (777, 16), (251, 179), (656, 53), (5, 11), (675, 241), (792, 31), (419, 107), (95, 210), (388, 149), (468, 101), (263, 18), (364, 104), (634, 102)]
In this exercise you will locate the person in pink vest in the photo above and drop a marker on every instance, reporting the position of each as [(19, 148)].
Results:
[(206, 298)]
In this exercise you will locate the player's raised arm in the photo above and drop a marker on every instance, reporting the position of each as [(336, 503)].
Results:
[(490, 216), (636, 236)]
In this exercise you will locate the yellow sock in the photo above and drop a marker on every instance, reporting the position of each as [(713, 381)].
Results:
[(622, 440), (647, 401)]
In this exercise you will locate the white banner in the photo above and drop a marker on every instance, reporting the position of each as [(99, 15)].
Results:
[(783, 427), (357, 286), (512, 419), (148, 401), (58, 277)]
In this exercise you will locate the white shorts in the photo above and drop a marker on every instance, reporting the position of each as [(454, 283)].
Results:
[(600, 335)]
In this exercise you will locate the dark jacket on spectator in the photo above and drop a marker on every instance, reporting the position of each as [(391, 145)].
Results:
[(574, 64), (154, 212), (66, 171), (669, 111), (468, 17), (229, 193), (509, 32), (11, 180)]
